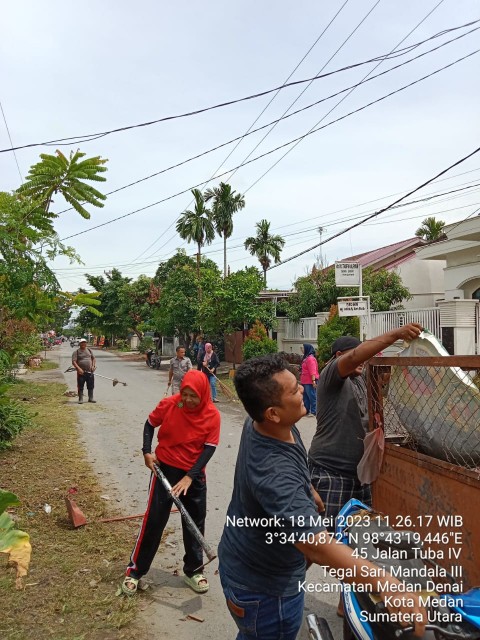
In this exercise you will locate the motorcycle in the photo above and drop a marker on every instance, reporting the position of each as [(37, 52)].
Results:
[(153, 360), (451, 615)]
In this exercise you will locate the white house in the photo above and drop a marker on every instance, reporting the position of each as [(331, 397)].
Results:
[(422, 277)]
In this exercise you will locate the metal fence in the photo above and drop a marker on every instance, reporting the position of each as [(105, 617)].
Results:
[(380, 322), (306, 328), (477, 328), (431, 405)]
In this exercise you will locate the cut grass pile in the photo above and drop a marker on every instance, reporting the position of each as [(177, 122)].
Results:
[(70, 592)]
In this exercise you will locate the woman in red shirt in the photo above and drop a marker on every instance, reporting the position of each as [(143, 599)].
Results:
[(188, 435)]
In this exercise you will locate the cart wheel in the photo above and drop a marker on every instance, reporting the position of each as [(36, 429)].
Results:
[(347, 632)]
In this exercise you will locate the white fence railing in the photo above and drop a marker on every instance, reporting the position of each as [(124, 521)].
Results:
[(477, 327), (383, 321), (306, 329)]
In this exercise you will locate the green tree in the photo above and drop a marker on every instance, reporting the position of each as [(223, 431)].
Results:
[(177, 310), (197, 226), (225, 203), (233, 304), (59, 174), (257, 343), (317, 292), (333, 328), (114, 320), (431, 229), (28, 286), (265, 246)]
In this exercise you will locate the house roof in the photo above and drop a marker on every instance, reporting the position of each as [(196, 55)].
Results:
[(389, 256)]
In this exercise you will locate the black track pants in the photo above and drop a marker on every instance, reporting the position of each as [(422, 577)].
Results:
[(156, 517)]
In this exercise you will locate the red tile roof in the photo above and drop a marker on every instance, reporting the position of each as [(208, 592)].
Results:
[(392, 255)]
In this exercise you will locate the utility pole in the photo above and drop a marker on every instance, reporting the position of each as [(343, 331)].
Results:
[(320, 256)]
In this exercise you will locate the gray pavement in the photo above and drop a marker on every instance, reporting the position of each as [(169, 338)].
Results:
[(111, 431)]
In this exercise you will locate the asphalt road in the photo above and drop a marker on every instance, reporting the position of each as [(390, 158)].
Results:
[(111, 431)]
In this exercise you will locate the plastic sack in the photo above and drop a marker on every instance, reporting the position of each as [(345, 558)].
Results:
[(368, 469)]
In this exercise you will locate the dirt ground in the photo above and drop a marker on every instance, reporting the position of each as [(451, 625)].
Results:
[(111, 431)]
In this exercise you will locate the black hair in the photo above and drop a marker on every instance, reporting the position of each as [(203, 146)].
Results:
[(179, 347), (255, 385)]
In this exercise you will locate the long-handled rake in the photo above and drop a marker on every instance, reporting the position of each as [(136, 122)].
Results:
[(114, 380), (230, 395)]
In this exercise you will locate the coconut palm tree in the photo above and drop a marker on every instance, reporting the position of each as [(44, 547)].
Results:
[(59, 174), (225, 202), (197, 225), (431, 229), (265, 246)]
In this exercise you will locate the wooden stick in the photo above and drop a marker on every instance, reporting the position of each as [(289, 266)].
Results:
[(119, 518)]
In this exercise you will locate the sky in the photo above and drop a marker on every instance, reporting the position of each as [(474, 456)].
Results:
[(70, 69)]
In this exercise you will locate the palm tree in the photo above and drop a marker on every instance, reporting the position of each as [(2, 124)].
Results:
[(431, 229), (225, 203), (265, 246), (59, 174), (197, 226)]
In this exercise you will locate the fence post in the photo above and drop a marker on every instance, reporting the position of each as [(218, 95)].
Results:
[(374, 397)]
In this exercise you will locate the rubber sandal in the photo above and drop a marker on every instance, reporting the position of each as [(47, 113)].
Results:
[(130, 586), (194, 583)]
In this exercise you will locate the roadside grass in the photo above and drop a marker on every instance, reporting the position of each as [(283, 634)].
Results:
[(70, 592), (46, 365)]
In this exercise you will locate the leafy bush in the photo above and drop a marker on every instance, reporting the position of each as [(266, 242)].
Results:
[(145, 344), (122, 345), (6, 372), (13, 418), (13, 542), (333, 328), (258, 343), (19, 339)]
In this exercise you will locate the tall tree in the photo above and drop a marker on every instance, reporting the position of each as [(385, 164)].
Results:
[(431, 229), (197, 226), (225, 202), (317, 292), (59, 174), (265, 246)]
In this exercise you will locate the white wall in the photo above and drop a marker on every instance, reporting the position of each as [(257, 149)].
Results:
[(424, 279)]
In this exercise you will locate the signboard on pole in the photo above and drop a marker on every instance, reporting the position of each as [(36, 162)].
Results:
[(348, 274), (357, 306)]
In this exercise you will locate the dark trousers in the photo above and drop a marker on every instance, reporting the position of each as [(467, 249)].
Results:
[(88, 378), (156, 517)]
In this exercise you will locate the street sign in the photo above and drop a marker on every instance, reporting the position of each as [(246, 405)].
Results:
[(348, 274), (357, 306)]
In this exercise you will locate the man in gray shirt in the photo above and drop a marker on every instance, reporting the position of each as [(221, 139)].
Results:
[(178, 368), (84, 362), (342, 420)]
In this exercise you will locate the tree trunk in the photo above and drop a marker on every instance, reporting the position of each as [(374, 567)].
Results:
[(224, 256), (198, 274), (265, 277)]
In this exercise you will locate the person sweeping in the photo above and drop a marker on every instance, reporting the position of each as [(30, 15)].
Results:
[(189, 431)]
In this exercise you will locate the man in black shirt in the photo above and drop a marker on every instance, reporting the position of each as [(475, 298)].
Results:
[(272, 525)]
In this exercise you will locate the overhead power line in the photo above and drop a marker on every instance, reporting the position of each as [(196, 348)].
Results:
[(459, 191), (377, 213), (350, 35), (286, 144), (351, 90), (87, 137), (247, 132), (395, 48), (283, 117), (11, 142)]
